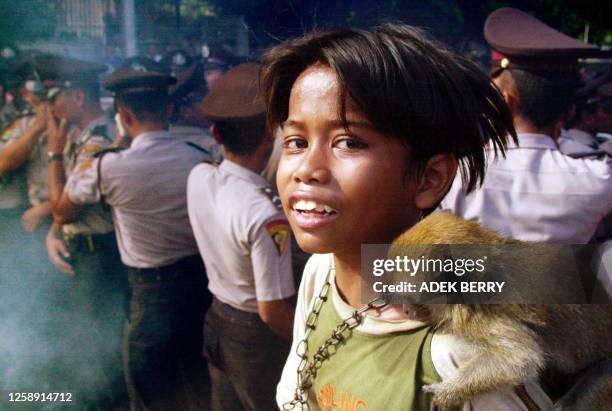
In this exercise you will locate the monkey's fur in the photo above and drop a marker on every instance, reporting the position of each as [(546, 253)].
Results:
[(514, 342)]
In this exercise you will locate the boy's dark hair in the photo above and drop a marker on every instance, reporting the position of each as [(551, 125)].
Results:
[(410, 87), (242, 137), (544, 97), (146, 106)]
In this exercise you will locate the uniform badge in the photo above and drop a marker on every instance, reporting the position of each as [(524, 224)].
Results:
[(279, 232)]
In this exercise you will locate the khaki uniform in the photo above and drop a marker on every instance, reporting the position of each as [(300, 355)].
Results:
[(244, 238)]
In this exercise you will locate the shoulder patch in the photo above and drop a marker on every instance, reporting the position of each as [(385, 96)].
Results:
[(273, 197), (279, 232), (91, 148), (7, 134)]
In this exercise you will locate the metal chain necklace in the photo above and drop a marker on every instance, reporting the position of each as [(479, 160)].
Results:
[(307, 370)]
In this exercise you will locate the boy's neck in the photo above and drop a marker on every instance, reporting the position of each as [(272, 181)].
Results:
[(348, 279)]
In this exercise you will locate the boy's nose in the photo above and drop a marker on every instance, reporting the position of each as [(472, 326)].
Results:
[(313, 169)]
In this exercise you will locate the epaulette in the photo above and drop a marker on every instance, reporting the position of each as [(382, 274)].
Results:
[(589, 154), (100, 155), (272, 196), (197, 147), (211, 162), (107, 150)]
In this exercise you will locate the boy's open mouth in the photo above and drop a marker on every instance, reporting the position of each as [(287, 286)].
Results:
[(312, 207)]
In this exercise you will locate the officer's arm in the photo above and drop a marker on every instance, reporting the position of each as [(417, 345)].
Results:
[(271, 259), (278, 315), (18, 151), (66, 211)]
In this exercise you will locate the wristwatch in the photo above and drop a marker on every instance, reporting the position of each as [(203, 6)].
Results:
[(52, 156)]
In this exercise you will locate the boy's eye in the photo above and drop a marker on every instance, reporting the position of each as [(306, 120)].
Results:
[(348, 143), (295, 143)]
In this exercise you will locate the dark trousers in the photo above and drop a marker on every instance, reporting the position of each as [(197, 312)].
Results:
[(96, 305), (163, 365), (245, 359)]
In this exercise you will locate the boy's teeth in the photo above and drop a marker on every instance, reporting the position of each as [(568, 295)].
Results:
[(309, 205), (305, 205)]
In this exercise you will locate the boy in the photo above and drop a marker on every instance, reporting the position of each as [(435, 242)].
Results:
[(374, 126)]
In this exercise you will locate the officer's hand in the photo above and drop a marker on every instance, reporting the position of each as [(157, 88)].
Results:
[(41, 119), (33, 216), (56, 133), (57, 252)]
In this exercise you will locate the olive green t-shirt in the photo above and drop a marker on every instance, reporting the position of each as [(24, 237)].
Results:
[(372, 372)]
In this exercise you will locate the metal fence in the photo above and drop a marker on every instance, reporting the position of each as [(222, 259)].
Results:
[(84, 18)]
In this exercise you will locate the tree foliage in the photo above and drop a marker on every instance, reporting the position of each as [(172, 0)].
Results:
[(25, 20)]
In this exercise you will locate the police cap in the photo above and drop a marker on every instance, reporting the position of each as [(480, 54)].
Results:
[(127, 81), (140, 63), (66, 72), (190, 83), (521, 41), (236, 95)]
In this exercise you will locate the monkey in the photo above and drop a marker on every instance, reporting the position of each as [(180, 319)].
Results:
[(516, 342)]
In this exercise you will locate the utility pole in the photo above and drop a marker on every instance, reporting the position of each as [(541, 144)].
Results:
[(177, 17), (129, 28)]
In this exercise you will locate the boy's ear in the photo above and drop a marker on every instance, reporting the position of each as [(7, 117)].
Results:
[(437, 177)]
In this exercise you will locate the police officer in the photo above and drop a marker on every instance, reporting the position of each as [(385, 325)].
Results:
[(177, 62), (146, 187), (7, 110), (188, 123), (593, 114), (217, 61), (23, 150), (25, 144), (536, 193), (81, 241), (244, 239)]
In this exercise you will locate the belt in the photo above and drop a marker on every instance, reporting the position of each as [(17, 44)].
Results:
[(186, 267), (89, 243), (227, 311)]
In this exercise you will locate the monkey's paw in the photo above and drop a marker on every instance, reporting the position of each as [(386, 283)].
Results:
[(446, 395)]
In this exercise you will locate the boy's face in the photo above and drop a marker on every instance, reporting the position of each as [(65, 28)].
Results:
[(340, 189)]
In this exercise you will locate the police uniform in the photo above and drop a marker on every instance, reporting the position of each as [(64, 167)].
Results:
[(31, 255), (13, 202), (536, 193), (146, 187), (593, 97), (244, 239), (200, 137), (98, 290)]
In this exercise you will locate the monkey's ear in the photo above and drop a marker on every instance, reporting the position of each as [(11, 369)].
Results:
[(437, 177)]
